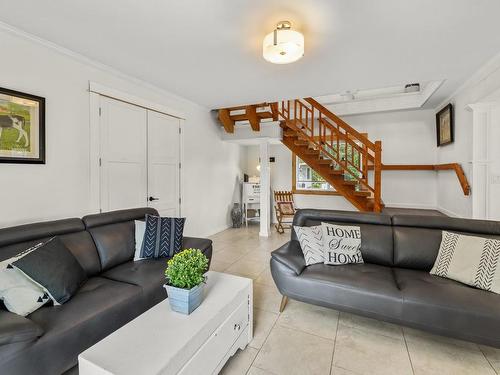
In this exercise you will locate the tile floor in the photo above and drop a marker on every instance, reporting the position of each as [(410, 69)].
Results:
[(307, 339)]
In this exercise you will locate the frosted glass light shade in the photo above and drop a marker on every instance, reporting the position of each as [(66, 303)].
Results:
[(283, 46)]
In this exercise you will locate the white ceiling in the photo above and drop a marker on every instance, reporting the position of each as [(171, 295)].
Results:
[(210, 51)]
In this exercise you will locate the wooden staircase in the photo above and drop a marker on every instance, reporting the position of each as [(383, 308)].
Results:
[(335, 150), (345, 158)]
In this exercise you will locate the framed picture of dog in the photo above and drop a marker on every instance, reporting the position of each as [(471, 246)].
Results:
[(22, 127), (444, 125)]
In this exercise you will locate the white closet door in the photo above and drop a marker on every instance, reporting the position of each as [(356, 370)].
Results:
[(163, 163), (123, 134)]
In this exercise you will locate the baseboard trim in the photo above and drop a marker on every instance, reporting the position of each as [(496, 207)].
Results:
[(215, 231), (447, 212), (411, 205)]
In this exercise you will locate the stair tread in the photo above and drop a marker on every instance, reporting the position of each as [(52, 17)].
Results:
[(350, 182), (363, 193)]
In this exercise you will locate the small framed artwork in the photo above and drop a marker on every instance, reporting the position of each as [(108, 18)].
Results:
[(22, 127), (444, 125)]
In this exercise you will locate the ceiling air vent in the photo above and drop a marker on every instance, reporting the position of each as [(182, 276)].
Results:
[(412, 87)]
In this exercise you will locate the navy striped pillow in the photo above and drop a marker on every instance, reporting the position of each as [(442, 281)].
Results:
[(163, 237)]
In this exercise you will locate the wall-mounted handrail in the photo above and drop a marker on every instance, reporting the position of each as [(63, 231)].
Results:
[(462, 178)]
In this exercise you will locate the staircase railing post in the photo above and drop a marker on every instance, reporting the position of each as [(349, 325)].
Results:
[(378, 177)]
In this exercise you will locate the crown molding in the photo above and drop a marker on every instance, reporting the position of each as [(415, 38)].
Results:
[(93, 63), (487, 69)]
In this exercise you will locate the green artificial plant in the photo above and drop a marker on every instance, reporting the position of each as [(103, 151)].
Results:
[(186, 269)]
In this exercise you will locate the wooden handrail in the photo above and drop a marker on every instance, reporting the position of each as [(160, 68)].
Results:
[(341, 122), (462, 178)]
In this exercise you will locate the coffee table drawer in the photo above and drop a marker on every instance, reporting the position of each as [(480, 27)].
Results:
[(218, 344)]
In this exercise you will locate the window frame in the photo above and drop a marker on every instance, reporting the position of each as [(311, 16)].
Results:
[(306, 191), (309, 191)]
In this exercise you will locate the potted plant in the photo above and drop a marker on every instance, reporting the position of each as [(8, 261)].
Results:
[(185, 280)]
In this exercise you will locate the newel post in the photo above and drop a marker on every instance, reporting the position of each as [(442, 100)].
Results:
[(378, 177)]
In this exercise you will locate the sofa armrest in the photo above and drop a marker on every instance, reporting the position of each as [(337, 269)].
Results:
[(291, 255), (204, 244), (17, 328)]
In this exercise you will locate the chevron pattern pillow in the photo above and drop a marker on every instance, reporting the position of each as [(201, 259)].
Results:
[(163, 237), (471, 260), (311, 243)]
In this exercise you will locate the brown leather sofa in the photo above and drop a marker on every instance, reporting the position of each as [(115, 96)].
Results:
[(118, 289), (394, 283)]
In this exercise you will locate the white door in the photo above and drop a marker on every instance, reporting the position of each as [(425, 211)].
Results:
[(123, 137), (164, 163)]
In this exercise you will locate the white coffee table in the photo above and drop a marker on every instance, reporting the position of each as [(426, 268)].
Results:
[(161, 341)]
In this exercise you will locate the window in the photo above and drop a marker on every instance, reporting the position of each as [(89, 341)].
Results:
[(305, 180)]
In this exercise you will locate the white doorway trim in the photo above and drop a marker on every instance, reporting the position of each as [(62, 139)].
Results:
[(482, 159), (95, 91), (132, 99)]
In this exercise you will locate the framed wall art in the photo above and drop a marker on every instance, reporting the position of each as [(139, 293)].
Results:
[(22, 127), (445, 126)]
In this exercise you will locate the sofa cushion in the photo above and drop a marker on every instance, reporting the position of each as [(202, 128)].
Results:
[(16, 328), (376, 231), (311, 244), (54, 268), (342, 244), (114, 234), (119, 216), (100, 307), (71, 232), (447, 307), (18, 293), (470, 260), (149, 274), (417, 238), (367, 288), (82, 246), (36, 231), (115, 243), (162, 237)]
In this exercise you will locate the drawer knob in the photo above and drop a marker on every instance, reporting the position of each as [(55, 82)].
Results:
[(237, 327)]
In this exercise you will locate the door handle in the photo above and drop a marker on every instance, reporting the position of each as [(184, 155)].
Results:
[(153, 199)]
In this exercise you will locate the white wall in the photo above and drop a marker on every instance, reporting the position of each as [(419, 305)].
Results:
[(408, 137), (60, 188), (450, 197)]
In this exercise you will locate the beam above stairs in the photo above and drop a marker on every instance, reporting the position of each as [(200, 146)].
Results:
[(254, 120), (254, 114), (226, 120)]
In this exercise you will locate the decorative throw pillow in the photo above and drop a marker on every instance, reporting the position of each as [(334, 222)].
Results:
[(140, 228), (342, 244), (470, 260), (311, 244), (54, 268), (163, 237), (20, 295)]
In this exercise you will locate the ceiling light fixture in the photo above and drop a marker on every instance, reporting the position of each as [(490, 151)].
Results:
[(283, 45)]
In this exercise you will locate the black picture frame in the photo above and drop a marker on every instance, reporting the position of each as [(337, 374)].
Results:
[(445, 126), (41, 129)]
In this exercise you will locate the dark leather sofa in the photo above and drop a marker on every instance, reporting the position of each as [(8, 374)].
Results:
[(394, 283), (118, 289)]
